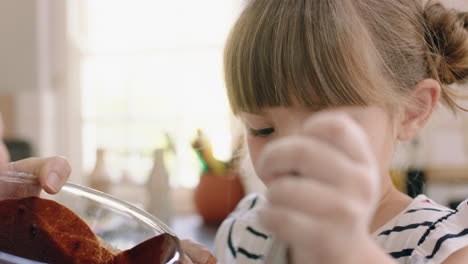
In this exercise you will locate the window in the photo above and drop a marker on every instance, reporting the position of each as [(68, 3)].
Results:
[(150, 68)]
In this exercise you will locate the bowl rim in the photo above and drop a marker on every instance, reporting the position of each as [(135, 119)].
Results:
[(122, 205), (18, 177), (145, 217)]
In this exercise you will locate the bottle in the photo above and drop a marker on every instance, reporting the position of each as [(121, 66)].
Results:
[(126, 177), (158, 189), (100, 177)]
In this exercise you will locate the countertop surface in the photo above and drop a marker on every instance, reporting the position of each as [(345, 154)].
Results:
[(192, 227)]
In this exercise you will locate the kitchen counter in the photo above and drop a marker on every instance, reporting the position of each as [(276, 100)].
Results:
[(192, 227)]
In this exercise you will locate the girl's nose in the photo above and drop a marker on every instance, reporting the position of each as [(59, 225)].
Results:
[(290, 129)]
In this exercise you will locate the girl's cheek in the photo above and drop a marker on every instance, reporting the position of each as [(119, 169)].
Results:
[(255, 146)]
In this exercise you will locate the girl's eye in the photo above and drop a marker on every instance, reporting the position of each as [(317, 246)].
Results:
[(262, 132)]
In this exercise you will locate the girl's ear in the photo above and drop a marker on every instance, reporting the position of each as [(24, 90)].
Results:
[(414, 116)]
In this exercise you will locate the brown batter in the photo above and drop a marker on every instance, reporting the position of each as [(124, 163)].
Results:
[(43, 230)]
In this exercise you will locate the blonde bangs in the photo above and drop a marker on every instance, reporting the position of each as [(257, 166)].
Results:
[(308, 54)]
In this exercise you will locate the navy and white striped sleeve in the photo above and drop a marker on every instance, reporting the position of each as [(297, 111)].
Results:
[(446, 236), (240, 238)]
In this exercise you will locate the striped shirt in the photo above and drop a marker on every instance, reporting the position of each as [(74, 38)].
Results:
[(423, 233)]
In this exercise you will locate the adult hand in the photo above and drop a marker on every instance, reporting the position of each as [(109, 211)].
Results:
[(53, 172)]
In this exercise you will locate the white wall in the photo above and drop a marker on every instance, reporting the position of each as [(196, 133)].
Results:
[(25, 69), (35, 57), (18, 53), (458, 4), (35, 107)]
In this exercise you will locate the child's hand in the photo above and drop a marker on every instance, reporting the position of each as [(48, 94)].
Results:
[(52, 172), (324, 185), (195, 253)]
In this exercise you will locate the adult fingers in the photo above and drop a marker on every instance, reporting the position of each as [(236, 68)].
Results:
[(53, 172)]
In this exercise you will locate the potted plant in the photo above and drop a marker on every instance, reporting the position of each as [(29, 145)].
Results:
[(220, 187)]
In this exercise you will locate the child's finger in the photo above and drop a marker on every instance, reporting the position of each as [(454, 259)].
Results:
[(184, 260), (340, 131), (304, 157), (290, 226), (197, 253), (308, 196)]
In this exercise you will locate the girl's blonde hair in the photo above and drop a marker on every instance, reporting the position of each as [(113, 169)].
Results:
[(322, 53)]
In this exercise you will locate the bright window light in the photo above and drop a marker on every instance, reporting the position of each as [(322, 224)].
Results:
[(151, 67)]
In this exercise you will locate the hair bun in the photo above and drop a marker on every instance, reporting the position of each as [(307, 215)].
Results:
[(447, 39)]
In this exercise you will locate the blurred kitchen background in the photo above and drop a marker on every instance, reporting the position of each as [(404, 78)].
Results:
[(107, 83)]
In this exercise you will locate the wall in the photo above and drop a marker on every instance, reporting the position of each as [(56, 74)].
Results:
[(458, 4), (42, 96), (18, 53), (25, 66)]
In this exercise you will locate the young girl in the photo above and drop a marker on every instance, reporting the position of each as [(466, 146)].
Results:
[(326, 89)]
